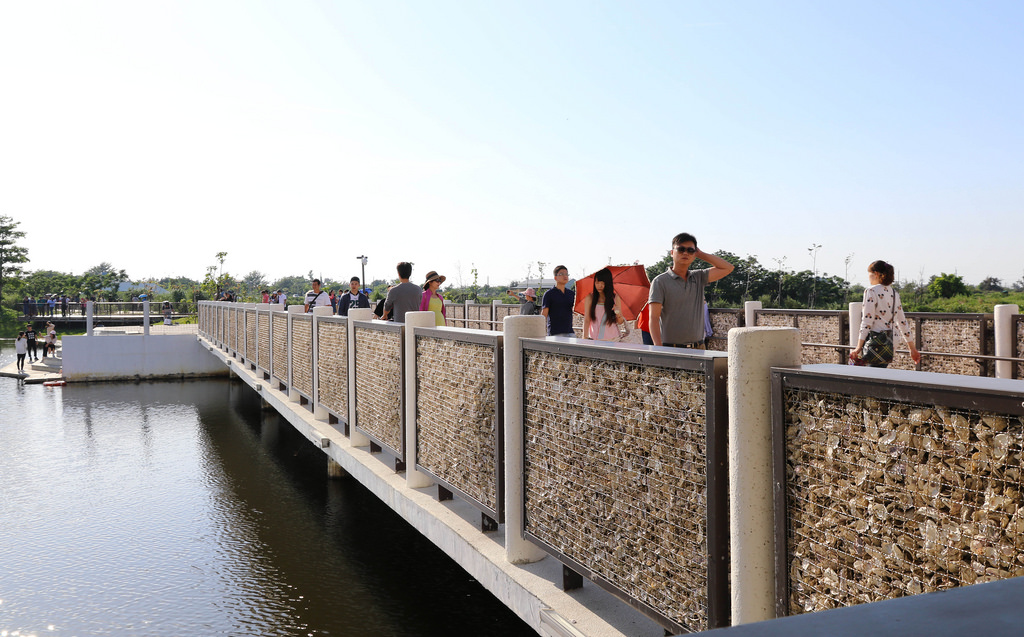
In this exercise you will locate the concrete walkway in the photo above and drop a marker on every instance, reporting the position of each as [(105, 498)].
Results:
[(42, 371)]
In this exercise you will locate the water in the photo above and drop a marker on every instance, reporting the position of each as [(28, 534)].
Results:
[(182, 508)]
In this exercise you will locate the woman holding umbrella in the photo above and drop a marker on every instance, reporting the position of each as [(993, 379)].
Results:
[(602, 310)]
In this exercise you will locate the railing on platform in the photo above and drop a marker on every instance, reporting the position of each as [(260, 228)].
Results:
[(891, 482), (459, 421), (626, 473)]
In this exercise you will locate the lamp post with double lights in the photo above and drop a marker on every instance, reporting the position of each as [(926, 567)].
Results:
[(363, 260)]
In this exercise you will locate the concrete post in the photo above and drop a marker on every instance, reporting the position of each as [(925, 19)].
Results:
[(319, 412), (748, 313), (145, 317), (752, 351), (465, 313), (88, 318), (335, 470), (1005, 338), (517, 549), (494, 315), (415, 479), (356, 314), (293, 394), (856, 314)]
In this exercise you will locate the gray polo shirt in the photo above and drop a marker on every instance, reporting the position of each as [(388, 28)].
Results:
[(404, 297), (682, 305)]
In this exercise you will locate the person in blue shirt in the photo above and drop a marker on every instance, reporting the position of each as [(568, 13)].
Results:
[(558, 304)]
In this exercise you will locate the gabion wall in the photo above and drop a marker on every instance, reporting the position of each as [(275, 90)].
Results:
[(456, 415), (280, 345), (822, 328), (616, 476), (1020, 346), (955, 335), (263, 330), (721, 323), (251, 336), (478, 314), (454, 313), (238, 314), (379, 391), (302, 354), (886, 499), (332, 366), (814, 328)]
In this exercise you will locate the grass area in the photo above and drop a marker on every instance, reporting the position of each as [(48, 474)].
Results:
[(981, 302)]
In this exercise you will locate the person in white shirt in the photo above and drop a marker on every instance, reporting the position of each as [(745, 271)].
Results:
[(316, 297), (883, 311)]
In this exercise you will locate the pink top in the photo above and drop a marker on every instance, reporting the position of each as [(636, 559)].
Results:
[(600, 330)]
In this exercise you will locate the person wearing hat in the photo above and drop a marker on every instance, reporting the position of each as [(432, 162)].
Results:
[(432, 299), (529, 306)]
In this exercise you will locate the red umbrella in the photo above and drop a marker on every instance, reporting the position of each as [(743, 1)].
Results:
[(631, 286)]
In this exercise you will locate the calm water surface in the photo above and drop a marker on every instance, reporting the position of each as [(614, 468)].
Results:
[(182, 508)]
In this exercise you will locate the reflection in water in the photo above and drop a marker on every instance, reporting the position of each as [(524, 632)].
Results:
[(183, 508)]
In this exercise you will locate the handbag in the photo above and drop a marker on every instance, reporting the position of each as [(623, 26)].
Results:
[(878, 349)]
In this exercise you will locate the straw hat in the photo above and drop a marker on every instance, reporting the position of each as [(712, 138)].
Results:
[(433, 276)]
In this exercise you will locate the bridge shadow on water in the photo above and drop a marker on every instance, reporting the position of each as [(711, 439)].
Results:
[(345, 559)]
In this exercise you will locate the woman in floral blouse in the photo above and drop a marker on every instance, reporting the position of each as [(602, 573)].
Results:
[(882, 310)]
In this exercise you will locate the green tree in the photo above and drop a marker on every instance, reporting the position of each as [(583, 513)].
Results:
[(103, 278), (991, 284), (11, 254), (947, 286)]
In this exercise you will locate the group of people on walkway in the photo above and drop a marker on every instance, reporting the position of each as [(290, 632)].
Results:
[(48, 304), (26, 345), (675, 314)]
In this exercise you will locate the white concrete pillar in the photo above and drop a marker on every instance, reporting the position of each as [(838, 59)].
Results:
[(145, 317), (88, 318), (1005, 338), (355, 314), (465, 313), (749, 308), (293, 394), (752, 351), (856, 314), (517, 550), (494, 315), (319, 412), (415, 479)]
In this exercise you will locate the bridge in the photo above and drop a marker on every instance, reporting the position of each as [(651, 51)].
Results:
[(609, 489)]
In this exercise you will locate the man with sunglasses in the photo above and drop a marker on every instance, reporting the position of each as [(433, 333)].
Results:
[(677, 296)]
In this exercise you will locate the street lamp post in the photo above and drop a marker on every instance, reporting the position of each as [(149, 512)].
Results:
[(363, 259)]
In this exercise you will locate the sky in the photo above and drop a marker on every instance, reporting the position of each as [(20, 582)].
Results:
[(297, 136)]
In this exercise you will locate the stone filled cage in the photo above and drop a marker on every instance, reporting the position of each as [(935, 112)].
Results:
[(625, 474), (264, 345), (723, 320), (823, 327), (332, 366), (1018, 339), (302, 355), (279, 346), (891, 483), (459, 417), (380, 386)]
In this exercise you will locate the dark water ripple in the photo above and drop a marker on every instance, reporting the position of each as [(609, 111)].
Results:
[(184, 509)]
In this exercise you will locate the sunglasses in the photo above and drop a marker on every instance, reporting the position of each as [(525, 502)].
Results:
[(562, 274), (682, 250)]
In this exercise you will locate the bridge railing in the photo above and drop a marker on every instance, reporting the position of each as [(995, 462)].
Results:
[(459, 422), (892, 482), (626, 473)]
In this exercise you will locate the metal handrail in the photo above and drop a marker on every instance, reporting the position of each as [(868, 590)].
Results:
[(986, 357)]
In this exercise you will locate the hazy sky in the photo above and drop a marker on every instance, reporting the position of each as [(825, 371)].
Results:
[(296, 135)]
